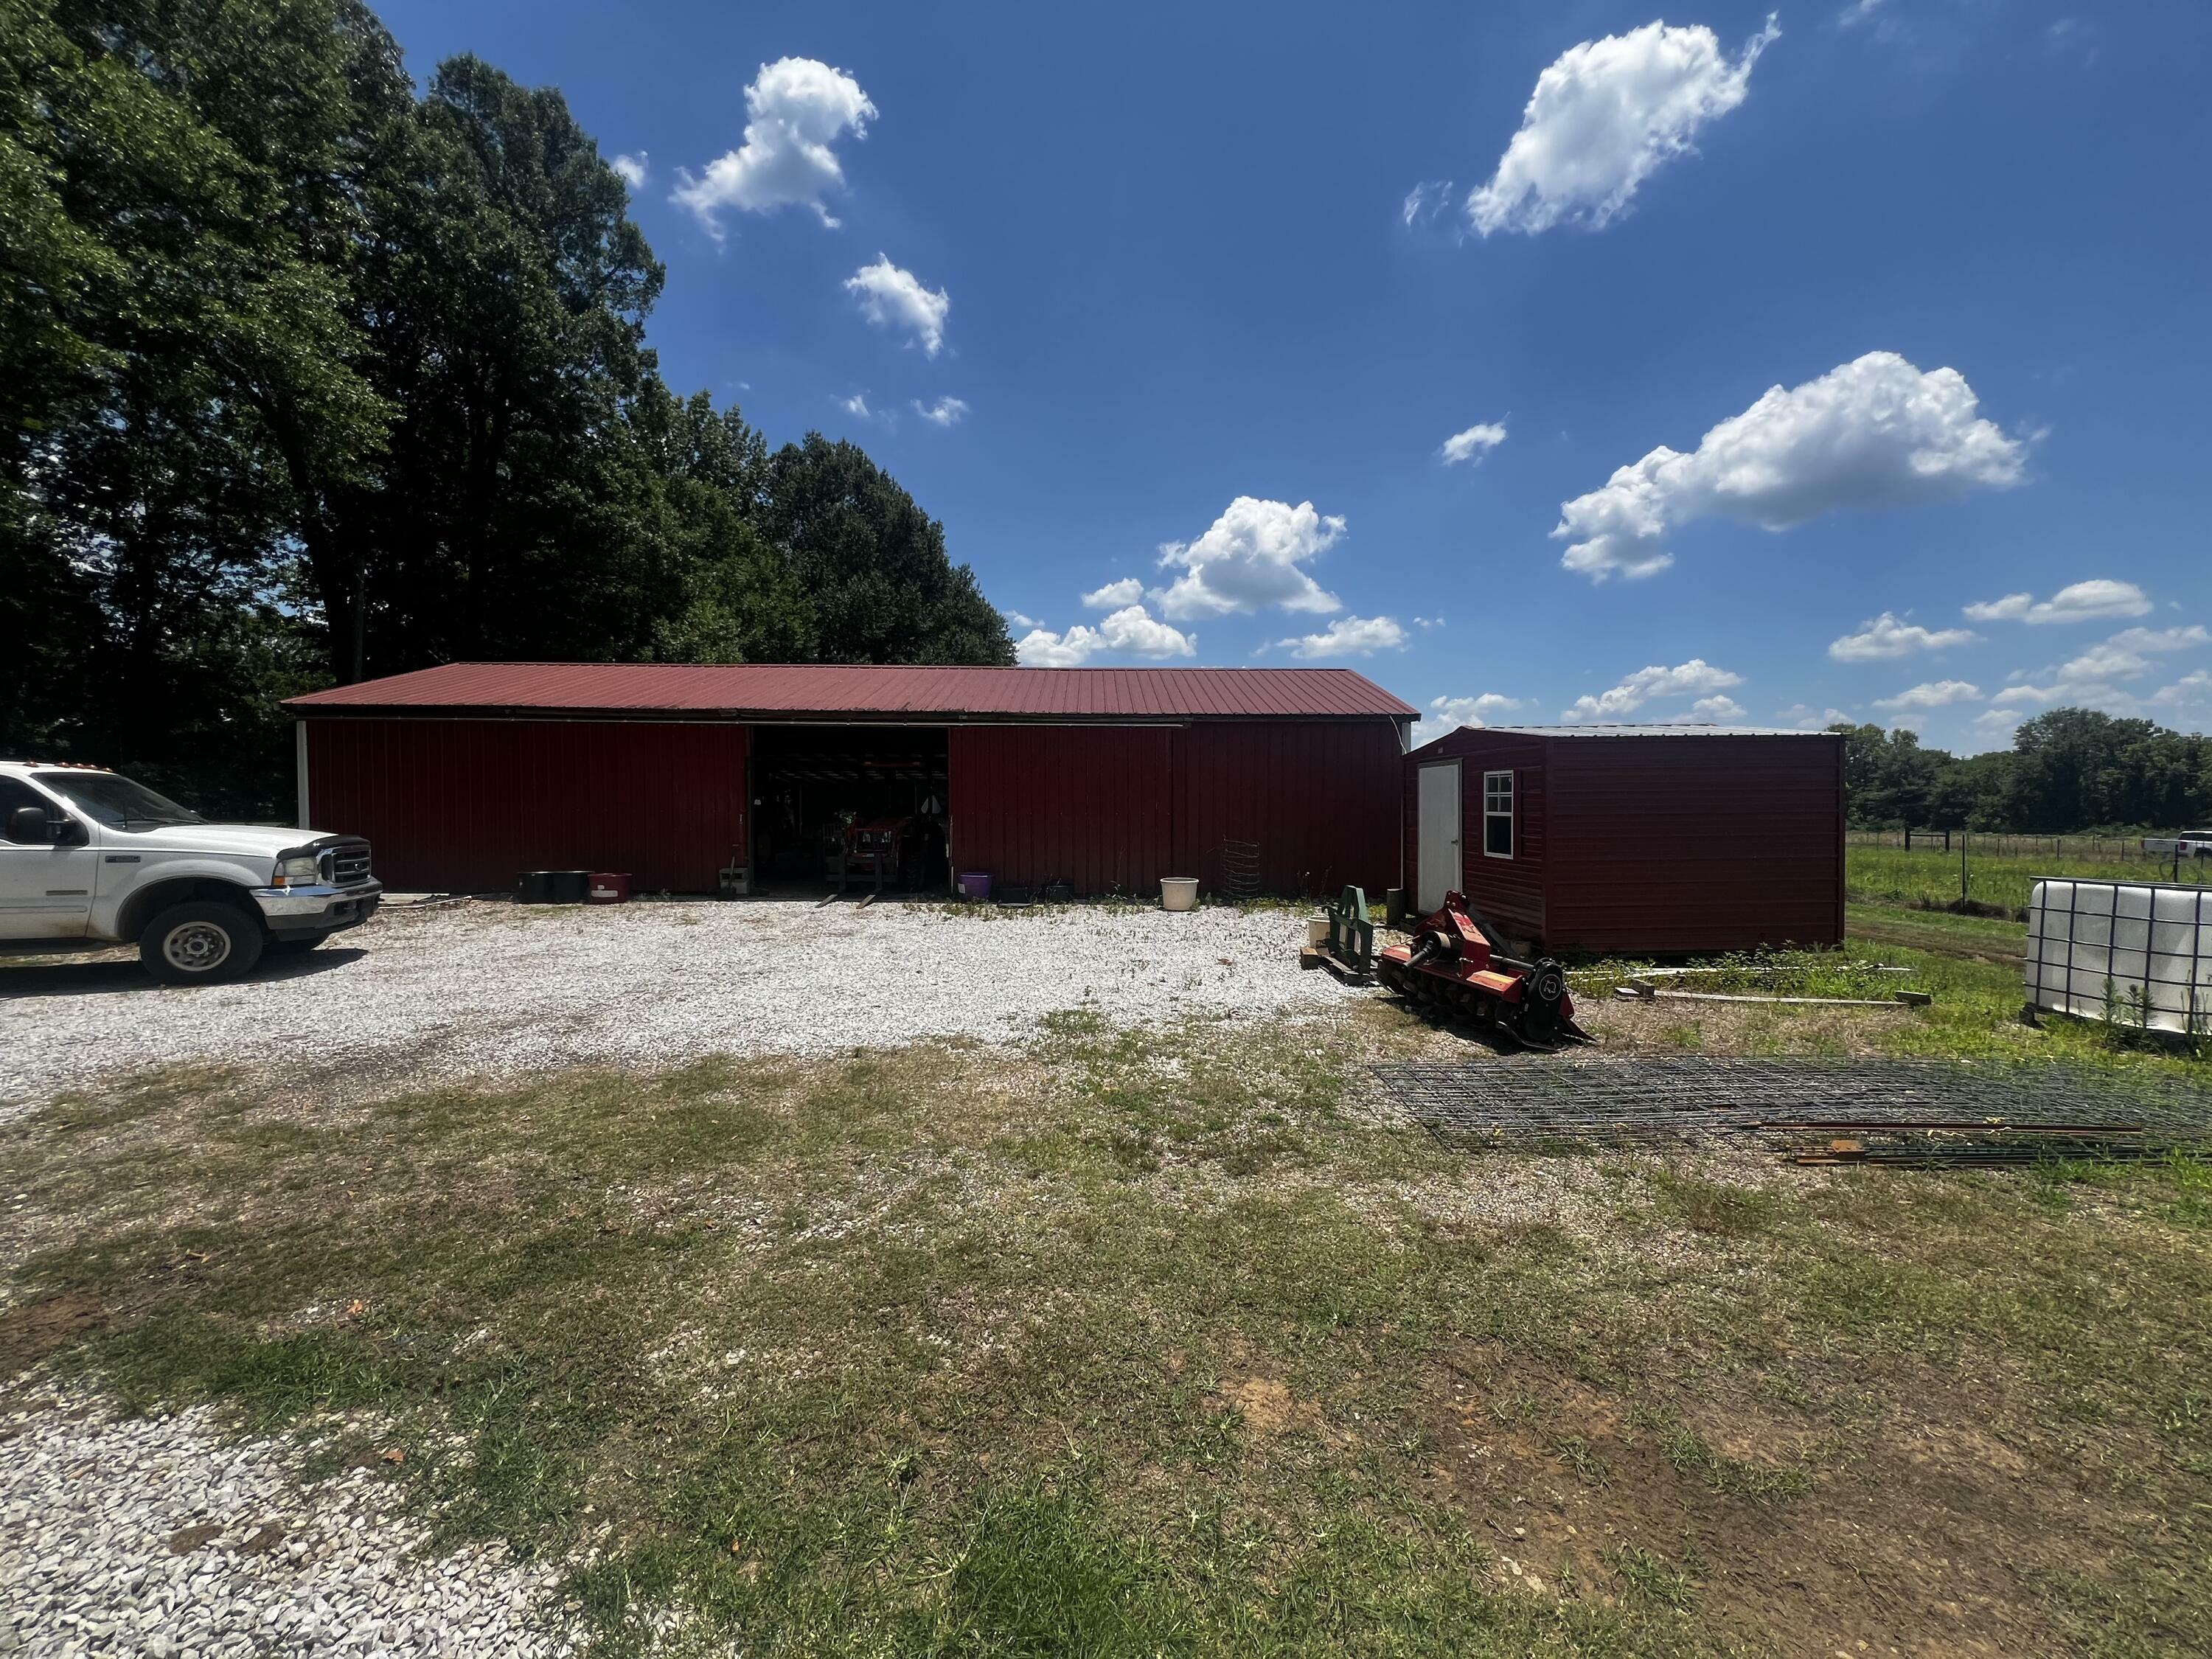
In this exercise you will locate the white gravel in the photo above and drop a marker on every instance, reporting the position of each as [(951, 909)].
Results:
[(158, 1536), (489, 988)]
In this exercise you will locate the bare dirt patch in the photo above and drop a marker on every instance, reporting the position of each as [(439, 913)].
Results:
[(1913, 1534), (29, 1331)]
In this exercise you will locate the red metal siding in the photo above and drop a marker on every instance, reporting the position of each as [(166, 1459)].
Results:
[(462, 806), (1116, 808), (1090, 806), (1510, 893), (1682, 845), (1320, 801)]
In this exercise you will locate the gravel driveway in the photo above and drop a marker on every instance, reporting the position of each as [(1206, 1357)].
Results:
[(161, 1536), (501, 989)]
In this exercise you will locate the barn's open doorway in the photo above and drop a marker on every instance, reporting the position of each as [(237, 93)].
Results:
[(873, 795)]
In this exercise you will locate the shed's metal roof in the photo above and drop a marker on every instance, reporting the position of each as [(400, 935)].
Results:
[(788, 690), (1659, 729)]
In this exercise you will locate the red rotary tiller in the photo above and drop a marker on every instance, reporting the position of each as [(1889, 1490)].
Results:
[(1455, 964)]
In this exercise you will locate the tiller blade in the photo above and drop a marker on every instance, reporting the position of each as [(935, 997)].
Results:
[(1454, 965)]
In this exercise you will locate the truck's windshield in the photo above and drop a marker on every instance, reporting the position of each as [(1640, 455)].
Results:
[(116, 801)]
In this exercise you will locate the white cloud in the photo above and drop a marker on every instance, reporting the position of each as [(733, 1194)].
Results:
[(1801, 717), (2189, 690), (797, 109), (945, 411), (1472, 445), (2068, 694), (2095, 600), (1131, 629), (1114, 595), (2125, 656), (1350, 636), (1606, 116), (1932, 694), (857, 406), (632, 168), (1857, 12), (1720, 706), (1041, 648), (1019, 620), (1695, 677), (892, 298), (1873, 433), (1425, 201), (1449, 714), (1889, 635), (1250, 557)]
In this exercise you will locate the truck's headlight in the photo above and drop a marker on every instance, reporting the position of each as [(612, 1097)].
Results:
[(303, 868)]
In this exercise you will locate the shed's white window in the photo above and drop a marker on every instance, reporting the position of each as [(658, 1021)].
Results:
[(1497, 815)]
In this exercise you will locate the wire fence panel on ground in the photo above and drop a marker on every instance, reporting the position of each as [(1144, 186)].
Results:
[(1817, 1109)]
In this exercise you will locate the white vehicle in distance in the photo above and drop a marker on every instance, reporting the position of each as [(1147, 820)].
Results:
[(90, 860)]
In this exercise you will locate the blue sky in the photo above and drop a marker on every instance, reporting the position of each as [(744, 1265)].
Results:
[(1539, 354)]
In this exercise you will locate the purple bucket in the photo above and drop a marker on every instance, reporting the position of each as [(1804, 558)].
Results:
[(975, 884)]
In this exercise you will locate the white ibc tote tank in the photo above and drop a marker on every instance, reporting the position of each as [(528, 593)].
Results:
[(2146, 937)]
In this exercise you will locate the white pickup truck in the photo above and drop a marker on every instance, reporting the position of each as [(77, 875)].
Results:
[(89, 860)]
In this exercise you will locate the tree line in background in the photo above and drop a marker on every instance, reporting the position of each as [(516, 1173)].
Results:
[(307, 378), (2069, 770)]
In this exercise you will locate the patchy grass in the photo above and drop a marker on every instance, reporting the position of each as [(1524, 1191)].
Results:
[(1970, 966), (1165, 1342), (1890, 875), (1937, 932)]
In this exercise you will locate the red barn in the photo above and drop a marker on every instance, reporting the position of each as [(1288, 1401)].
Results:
[(1106, 779), (1639, 840)]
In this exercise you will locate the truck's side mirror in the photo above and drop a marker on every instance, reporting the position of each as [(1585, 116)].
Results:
[(27, 824)]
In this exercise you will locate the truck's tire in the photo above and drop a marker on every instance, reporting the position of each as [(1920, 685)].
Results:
[(200, 942), (293, 944)]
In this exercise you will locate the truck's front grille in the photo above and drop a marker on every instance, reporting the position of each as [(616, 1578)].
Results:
[(348, 864)]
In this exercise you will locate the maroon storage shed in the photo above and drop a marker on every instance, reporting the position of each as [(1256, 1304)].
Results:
[(1106, 779), (1641, 840)]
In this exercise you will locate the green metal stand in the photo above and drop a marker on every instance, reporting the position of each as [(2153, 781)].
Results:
[(1350, 934)]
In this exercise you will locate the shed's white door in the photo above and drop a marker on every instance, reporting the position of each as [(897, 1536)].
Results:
[(1439, 871)]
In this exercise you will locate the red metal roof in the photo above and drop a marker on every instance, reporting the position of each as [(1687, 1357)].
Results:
[(786, 691)]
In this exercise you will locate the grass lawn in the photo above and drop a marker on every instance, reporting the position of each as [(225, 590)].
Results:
[(1890, 875), (1179, 1343)]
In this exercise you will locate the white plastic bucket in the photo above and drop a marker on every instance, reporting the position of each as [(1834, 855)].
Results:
[(1178, 892), (1317, 931)]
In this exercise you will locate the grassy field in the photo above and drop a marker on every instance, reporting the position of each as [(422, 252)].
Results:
[(1892, 875), (1179, 1344)]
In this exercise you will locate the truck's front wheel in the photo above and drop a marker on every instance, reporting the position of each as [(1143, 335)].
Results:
[(198, 943)]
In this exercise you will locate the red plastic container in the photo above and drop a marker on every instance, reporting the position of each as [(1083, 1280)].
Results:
[(608, 888)]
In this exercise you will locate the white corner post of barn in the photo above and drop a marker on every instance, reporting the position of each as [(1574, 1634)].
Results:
[(299, 769)]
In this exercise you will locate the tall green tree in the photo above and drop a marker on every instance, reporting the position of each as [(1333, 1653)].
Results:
[(163, 290), (2068, 769), (503, 291), (308, 377), (739, 599), (874, 564)]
